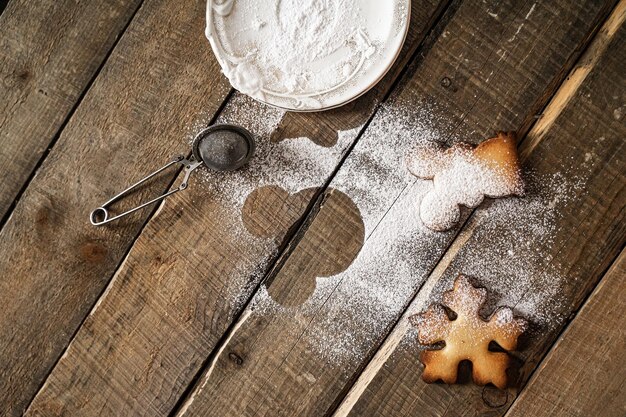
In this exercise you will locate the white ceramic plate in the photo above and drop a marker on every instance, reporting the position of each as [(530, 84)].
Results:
[(314, 64)]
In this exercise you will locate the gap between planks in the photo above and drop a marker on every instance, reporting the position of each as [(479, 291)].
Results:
[(4, 217), (221, 346), (557, 104), (574, 57), (152, 215), (575, 78), (591, 306), (435, 28), (3, 5), (120, 266)]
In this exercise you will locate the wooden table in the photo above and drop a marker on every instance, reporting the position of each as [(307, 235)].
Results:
[(284, 289)]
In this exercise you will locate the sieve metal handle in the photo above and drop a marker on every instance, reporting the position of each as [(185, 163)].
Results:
[(100, 215)]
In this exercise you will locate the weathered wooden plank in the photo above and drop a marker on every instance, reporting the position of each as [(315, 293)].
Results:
[(49, 53), (545, 274), (583, 374), (194, 265), (160, 80), (491, 69)]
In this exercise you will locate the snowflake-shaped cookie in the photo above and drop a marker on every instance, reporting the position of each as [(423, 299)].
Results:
[(467, 337), (463, 175)]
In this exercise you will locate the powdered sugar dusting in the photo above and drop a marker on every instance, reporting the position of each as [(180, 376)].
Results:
[(398, 250), (350, 311), (507, 252), (292, 164), (375, 170)]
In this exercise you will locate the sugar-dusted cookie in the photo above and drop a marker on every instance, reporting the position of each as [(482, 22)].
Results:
[(464, 175), (467, 337)]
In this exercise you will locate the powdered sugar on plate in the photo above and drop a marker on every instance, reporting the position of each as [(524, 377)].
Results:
[(306, 54)]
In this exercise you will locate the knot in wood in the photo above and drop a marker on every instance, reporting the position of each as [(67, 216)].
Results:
[(236, 359)]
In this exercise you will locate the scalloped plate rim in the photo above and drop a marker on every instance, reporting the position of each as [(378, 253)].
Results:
[(358, 90)]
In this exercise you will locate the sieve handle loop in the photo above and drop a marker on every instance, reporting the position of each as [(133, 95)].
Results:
[(100, 215)]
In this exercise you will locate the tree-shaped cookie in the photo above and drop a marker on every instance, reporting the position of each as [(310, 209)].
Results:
[(326, 245), (467, 337), (463, 175)]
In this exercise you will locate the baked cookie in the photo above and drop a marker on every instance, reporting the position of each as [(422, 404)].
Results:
[(463, 175), (467, 337)]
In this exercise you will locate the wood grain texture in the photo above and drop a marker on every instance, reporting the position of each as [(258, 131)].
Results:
[(584, 143), (583, 374), (49, 53), (195, 264), (160, 79), (299, 361)]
